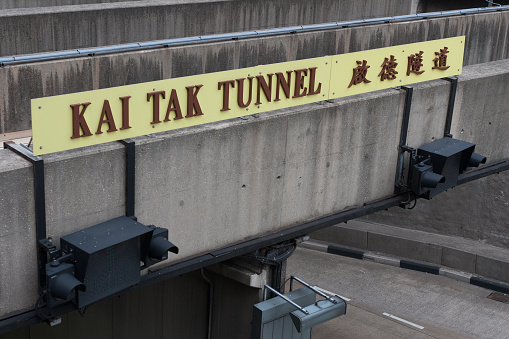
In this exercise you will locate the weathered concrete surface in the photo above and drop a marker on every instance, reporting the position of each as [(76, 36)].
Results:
[(10, 4), (477, 210), (215, 184), (18, 263), (19, 84), (429, 100), (455, 252), (221, 183), (483, 104), (35, 30), (438, 6), (84, 191), (356, 138), (241, 179)]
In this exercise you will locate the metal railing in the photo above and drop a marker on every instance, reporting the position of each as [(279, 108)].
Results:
[(235, 36)]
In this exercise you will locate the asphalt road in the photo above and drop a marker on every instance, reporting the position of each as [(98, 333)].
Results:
[(428, 306)]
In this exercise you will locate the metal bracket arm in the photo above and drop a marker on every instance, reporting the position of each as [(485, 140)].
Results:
[(285, 298)]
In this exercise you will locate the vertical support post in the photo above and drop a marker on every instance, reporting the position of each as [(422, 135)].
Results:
[(403, 135), (40, 205), (450, 106), (130, 176)]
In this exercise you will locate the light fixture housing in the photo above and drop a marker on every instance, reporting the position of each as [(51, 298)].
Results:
[(104, 259), (319, 312), (437, 165)]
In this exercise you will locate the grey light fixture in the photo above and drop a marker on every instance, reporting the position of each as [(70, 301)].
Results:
[(436, 166), (104, 259)]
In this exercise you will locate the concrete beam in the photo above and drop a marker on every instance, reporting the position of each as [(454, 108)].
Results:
[(91, 25), (215, 184), (11, 4), (212, 185), (18, 263)]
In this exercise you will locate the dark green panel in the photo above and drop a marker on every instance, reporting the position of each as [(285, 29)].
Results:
[(233, 308), (125, 315), (22, 333), (97, 322), (43, 330), (150, 308), (179, 293)]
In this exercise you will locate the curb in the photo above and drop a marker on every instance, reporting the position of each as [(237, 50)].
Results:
[(407, 264)]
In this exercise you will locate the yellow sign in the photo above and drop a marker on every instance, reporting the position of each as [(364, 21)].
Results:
[(88, 118)]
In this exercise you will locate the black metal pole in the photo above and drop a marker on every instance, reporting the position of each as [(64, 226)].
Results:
[(403, 135), (450, 106), (130, 175)]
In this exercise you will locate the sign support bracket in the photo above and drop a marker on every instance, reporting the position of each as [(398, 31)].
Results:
[(403, 136), (130, 176), (450, 106)]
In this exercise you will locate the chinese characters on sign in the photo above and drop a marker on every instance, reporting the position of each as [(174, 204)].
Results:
[(359, 73), (415, 63), (441, 60), (388, 69), (389, 65)]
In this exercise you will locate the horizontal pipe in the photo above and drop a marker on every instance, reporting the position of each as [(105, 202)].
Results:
[(284, 297), (237, 35)]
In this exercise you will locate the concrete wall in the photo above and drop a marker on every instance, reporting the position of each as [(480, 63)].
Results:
[(17, 234), (210, 185), (477, 210), (449, 5), (19, 84), (221, 183), (10, 4), (36, 30)]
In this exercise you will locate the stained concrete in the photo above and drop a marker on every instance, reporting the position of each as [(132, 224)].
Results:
[(474, 257), (35, 30), (216, 184), (84, 190), (429, 100), (212, 186), (476, 210), (347, 147), (221, 183), (20, 83), (11, 4), (18, 263), (224, 182)]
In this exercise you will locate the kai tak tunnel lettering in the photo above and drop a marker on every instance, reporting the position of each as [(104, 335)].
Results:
[(93, 117)]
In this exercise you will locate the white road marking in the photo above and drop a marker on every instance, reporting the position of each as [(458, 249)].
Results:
[(403, 320), (330, 293)]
